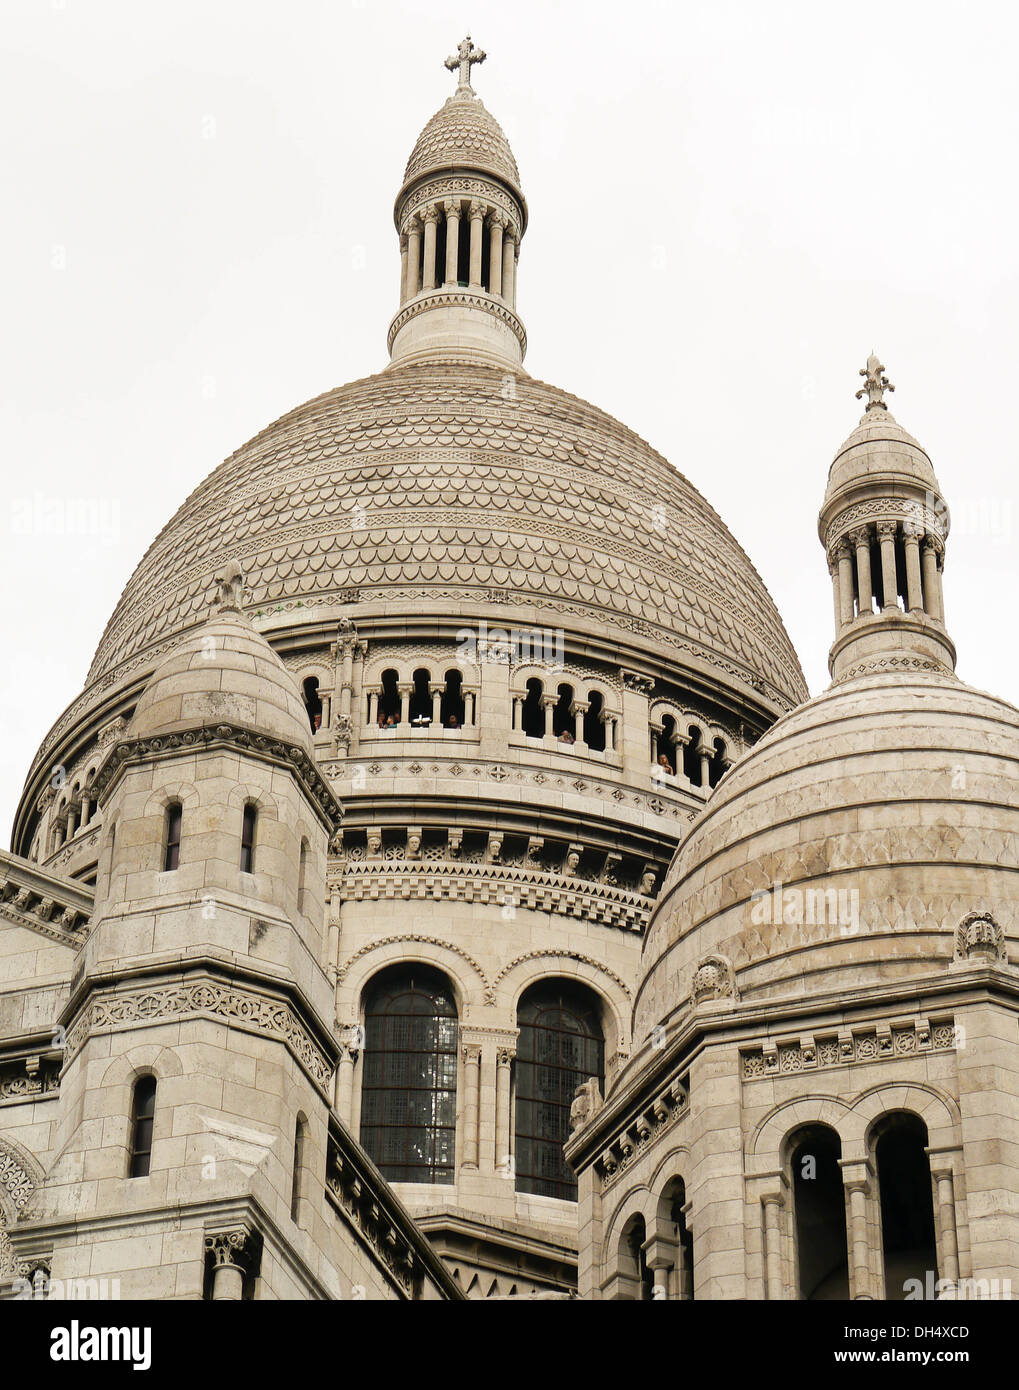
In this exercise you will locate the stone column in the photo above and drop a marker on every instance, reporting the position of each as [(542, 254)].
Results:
[(836, 589), (773, 1282), (404, 266), (509, 268), (945, 1213), (86, 809), (413, 257), (436, 694), (477, 213), (430, 218), (496, 223), (405, 694), (503, 1071), (472, 1086), (914, 588), (578, 708), (72, 820), (373, 707), (932, 559), (865, 584), (517, 708), (452, 208), (844, 556), (856, 1181), (232, 1255), (345, 1081), (705, 756), (889, 586)]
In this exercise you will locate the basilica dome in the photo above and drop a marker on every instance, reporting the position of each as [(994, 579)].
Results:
[(463, 133), (430, 483), (848, 848)]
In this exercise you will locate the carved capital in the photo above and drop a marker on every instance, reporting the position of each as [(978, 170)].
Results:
[(497, 219), (477, 209), (887, 528), (860, 536), (430, 216), (451, 207), (237, 1247)]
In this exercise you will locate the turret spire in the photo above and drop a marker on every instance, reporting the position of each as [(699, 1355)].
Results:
[(883, 524)]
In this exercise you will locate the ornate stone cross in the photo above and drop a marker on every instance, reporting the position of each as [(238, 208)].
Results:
[(466, 54), (876, 384)]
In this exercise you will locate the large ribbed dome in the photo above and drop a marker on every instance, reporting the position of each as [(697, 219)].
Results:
[(439, 483), (463, 133), (900, 788)]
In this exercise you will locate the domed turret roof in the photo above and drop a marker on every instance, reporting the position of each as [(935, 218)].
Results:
[(223, 673), (901, 789), (434, 485), (463, 134)]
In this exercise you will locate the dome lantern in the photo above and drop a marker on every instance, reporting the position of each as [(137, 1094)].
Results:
[(460, 215), (883, 524)]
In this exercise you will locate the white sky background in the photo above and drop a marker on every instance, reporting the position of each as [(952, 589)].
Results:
[(731, 204)]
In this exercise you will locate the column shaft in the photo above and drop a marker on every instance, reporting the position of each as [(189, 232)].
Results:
[(477, 231), (472, 1084), (496, 223), (509, 270), (413, 258), (845, 560), (431, 217), (452, 240), (865, 583), (889, 584)]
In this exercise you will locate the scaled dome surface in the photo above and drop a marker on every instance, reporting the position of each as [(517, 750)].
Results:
[(463, 132), (902, 787), (437, 484)]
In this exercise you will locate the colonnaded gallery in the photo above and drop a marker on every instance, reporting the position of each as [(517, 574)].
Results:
[(444, 886)]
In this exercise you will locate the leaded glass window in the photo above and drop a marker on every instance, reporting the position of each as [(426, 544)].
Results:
[(560, 1045), (408, 1091)]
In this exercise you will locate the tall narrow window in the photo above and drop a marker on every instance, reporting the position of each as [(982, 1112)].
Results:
[(313, 703), (248, 838), (532, 711), (560, 1045), (143, 1110), (638, 1281), (594, 725), (171, 849), (452, 711), (907, 1206), (300, 1131), (420, 708), (692, 756), (302, 874), (408, 1095), (819, 1206)]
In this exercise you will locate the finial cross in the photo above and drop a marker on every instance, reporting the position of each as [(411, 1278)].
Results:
[(466, 55), (876, 384)]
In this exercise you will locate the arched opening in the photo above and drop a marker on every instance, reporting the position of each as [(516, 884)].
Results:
[(907, 1206), (297, 1173), (717, 765), (389, 700), (171, 835), (691, 756), (143, 1113), (313, 703), (408, 1092), (560, 1045), (671, 1210), (420, 708), (667, 745), (249, 821), (819, 1207), (532, 711), (452, 710), (564, 723), (637, 1281), (594, 725)]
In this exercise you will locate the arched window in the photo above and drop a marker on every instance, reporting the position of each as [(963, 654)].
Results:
[(594, 726), (637, 1280), (692, 757), (907, 1207), (420, 711), (171, 835), (717, 765), (560, 1045), (532, 711), (302, 874), (408, 1093), (667, 744), (564, 724), (452, 710), (389, 700), (313, 703), (143, 1110), (248, 822), (297, 1175), (670, 1209), (819, 1208)]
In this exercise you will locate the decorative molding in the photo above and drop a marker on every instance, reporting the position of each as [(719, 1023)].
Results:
[(257, 1013), (979, 938), (556, 955), (472, 299), (406, 938), (640, 1132), (824, 1048)]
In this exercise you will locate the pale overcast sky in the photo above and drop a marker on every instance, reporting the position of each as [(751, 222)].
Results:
[(731, 204)]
